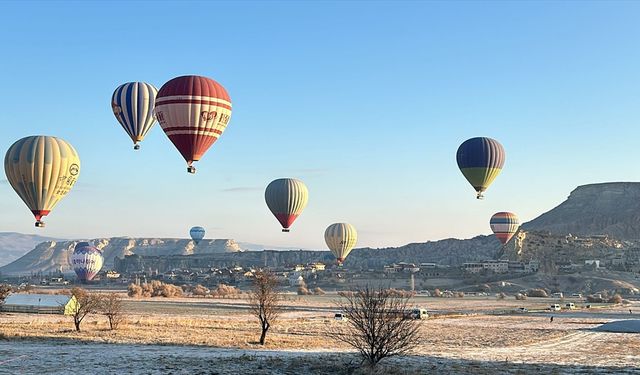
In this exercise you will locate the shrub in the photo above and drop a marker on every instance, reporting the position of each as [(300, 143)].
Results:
[(617, 299), (318, 292), (501, 295), (460, 294), (437, 293), (541, 293), (521, 297), (169, 290), (134, 291), (303, 291), (199, 290), (224, 291), (595, 299), (401, 293)]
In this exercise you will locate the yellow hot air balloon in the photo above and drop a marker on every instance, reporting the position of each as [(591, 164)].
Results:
[(340, 238), (42, 170)]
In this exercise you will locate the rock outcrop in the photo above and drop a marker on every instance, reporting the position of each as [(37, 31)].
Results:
[(53, 256), (608, 208)]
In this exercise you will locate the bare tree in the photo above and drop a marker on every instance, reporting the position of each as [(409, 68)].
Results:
[(265, 299), (5, 290), (86, 303), (112, 307), (379, 324)]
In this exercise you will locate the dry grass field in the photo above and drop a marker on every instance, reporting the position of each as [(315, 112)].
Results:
[(464, 336)]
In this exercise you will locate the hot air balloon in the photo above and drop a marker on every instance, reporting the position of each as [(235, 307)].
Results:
[(42, 170), (133, 104), (286, 198), (197, 234), (86, 261), (504, 225), (193, 111), (340, 238), (480, 160)]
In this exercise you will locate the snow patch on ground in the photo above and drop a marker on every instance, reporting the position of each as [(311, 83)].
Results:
[(622, 326)]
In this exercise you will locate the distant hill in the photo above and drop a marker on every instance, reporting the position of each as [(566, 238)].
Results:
[(608, 208), (54, 255), (14, 245)]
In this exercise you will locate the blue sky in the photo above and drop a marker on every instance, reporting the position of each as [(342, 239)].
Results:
[(366, 102)]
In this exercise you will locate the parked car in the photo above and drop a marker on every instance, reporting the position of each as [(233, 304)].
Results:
[(522, 310), (570, 306), (555, 307)]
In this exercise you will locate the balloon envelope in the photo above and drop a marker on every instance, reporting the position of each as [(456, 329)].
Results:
[(197, 234), (480, 160), (193, 112), (340, 238), (132, 104), (86, 261), (42, 170), (504, 225), (286, 198)]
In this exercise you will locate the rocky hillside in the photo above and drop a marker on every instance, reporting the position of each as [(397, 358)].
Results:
[(609, 208), (54, 255), (447, 252), (14, 245), (591, 210)]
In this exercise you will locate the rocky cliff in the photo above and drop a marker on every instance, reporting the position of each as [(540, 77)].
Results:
[(54, 255), (608, 208), (446, 252)]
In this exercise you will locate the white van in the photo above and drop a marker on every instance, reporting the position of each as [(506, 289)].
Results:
[(419, 314), (570, 306), (340, 316), (555, 307)]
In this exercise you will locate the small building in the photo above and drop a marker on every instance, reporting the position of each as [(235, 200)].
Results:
[(317, 266), (473, 267), (40, 304), (112, 275), (595, 263)]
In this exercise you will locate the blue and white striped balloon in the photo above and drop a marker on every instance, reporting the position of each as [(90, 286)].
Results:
[(197, 234), (132, 104)]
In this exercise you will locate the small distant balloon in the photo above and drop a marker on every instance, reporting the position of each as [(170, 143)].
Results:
[(504, 225), (193, 112), (86, 261), (132, 104), (286, 198), (197, 234), (340, 238), (42, 170), (480, 160)]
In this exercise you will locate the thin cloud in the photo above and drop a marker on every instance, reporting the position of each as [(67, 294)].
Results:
[(312, 170), (240, 189)]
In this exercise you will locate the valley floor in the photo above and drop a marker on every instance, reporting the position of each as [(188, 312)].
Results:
[(469, 336)]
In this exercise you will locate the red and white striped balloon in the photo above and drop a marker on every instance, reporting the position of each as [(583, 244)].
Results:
[(193, 111)]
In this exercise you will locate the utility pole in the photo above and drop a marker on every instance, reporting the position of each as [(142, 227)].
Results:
[(413, 283)]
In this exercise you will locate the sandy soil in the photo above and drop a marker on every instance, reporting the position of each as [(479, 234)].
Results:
[(192, 334)]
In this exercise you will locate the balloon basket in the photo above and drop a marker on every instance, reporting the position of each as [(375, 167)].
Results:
[(39, 224), (286, 230), (191, 169), (136, 147)]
